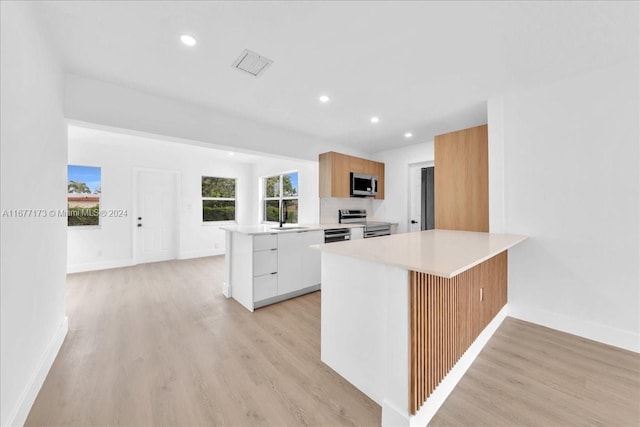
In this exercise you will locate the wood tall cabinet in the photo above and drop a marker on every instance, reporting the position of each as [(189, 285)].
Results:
[(461, 183), (335, 169)]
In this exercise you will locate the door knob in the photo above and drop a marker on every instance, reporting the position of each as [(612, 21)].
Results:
[(413, 221)]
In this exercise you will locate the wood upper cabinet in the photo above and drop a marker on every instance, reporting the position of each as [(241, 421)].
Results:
[(334, 174), (335, 169), (461, 183), (379, 171)]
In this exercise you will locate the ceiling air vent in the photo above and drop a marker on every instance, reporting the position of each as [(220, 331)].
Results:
[(252, 63)]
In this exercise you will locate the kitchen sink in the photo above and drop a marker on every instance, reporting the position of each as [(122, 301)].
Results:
[(289, 228)]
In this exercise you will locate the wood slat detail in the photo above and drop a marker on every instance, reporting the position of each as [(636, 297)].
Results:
[(446, 316)]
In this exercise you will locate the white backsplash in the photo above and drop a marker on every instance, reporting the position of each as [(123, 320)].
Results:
[(329, 207)]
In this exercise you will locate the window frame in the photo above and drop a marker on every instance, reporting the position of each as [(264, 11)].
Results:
[(234, 199), (281, 196)]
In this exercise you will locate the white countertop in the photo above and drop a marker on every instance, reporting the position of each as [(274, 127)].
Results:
[(444, 253), (269, 229)]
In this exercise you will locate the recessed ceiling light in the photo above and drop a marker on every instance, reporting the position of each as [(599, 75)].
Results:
[(375, 119), (230, 153), (408, 135), (188, 40), (324, 99)]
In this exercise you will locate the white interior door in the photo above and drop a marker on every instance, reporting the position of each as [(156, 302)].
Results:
[(415, 190), (156, 216)]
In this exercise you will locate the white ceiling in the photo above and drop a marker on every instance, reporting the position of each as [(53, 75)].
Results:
[(425, 67)]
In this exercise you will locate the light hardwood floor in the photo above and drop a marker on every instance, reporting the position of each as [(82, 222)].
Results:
[(158, 344), (528, 375)]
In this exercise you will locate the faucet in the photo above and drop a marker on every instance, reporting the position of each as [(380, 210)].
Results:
[(281, 216)]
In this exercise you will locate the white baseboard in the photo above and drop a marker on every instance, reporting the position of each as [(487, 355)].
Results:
[(21, 411), (102, 265), (583, 328), (106, 265), (201, 254), (440, 394)]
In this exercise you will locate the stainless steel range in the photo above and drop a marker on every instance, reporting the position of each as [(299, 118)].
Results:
[(359, 216)]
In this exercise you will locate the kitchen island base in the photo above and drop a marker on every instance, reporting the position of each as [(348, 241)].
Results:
[(406, 338)]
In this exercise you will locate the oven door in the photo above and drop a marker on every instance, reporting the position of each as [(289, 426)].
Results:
[(377, 230), (332, 235)]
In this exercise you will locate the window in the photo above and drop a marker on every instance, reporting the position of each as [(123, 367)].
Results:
[(84, 185), (218, 199), (281, 191)]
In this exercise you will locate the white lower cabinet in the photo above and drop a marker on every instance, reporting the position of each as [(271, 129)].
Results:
[(289, 262), (298, 264), (311, 258), (265, 287), (267, 268), (265, 262), (357, 233)]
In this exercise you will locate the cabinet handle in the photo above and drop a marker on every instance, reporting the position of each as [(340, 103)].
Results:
[(274, 249), (275, 272)]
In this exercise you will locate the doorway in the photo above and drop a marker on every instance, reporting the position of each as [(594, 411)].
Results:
[(156, 228), (421, 197)]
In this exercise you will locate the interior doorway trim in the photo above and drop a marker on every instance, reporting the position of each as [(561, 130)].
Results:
[(410, 199)]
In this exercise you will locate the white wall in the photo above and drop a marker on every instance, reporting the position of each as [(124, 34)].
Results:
[(119, 156), (571, 183), (107, 104), (308, 201), (33, 157), (395, 207)]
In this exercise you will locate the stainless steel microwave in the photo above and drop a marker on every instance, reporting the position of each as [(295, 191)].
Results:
[(363, 185)]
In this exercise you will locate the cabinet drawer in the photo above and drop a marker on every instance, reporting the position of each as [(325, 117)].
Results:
[(265, 287), (264, 242), (265, 262)]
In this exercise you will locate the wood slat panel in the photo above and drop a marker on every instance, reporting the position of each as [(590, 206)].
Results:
[(446, 316)]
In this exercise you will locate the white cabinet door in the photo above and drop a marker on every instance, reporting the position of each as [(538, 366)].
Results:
[(265, 262), (357, 233), (265, 287), (263, 242), (311, 258), (289, 263)]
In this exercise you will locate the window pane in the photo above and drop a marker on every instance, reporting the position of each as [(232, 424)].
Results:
[(83, 215), (218, 187), (271, 210), (291, 211), (218, 210), (290, 184), (83, 199), (272, 186)]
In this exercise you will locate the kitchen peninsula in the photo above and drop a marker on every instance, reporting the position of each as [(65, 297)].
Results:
[(403, 316)]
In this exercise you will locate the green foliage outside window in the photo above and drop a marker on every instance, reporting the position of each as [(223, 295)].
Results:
[(83, 216), (218, 199), (218, 187), (218, 210)]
